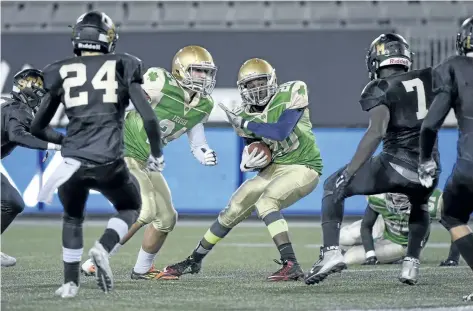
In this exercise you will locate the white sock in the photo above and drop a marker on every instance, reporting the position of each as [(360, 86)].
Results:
[(144, 261)]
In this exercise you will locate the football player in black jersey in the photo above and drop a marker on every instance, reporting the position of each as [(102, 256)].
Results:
[(396, 100), (453, 86), (17, 114), (95, 87)]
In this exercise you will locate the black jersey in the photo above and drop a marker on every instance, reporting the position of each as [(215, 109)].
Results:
[(94, 91), (16, 121), (408, 97)]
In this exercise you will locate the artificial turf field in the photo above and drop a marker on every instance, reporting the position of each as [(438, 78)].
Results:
[(232, 278)]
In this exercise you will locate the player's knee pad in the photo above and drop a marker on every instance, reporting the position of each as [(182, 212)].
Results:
[(72, 237), (451, 221), (233, 214), (129, 216), (266, 205), (166, 223)]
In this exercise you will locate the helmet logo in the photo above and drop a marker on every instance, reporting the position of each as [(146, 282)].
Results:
[(380, 49), (111, 34), (399, 61), (29, 81)]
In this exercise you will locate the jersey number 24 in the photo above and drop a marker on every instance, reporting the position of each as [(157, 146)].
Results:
[(104, 79)]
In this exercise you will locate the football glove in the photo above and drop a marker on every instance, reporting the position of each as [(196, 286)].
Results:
[(234, 119), (155, 164), (427, 170), (207, 157), (52, 146), (252, 161), (340, 184)]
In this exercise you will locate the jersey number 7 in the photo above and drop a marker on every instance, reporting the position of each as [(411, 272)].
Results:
[(421, 102), (104, 79)]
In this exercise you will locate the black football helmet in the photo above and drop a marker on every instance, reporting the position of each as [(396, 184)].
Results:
[(464, 38), (94, 31), (388, 49), (28, 87)]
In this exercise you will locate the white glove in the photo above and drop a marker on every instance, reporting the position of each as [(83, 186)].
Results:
[(52, 146), (237, 121), (427, 172), (155, 164), (210, 157), (250, 162)]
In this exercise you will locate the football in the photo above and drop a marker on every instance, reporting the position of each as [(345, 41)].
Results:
[(260, 146)]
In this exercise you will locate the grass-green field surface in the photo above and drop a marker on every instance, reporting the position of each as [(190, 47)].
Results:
[(232, 278)]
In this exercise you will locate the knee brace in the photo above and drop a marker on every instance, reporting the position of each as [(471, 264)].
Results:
[(129, 216), (72, 237)]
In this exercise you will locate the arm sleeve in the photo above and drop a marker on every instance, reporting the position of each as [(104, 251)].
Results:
[(50, 135), (150, 121), (281, 129), (379, 120), (18, 132), (366, 230), (444, 89), (45, 114), (196, 136)]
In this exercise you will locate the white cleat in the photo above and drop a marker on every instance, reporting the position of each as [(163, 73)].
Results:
[(103, 272), (330, 261), (7, 261), (88, 268), (409, 271), (68, 290), (468, 297)]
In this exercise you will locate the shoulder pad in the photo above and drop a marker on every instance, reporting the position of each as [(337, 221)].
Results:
[(129, 56), (299, 95), (374, 94)]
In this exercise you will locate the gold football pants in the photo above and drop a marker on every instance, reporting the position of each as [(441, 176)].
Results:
[(157, 207), (276, 187)]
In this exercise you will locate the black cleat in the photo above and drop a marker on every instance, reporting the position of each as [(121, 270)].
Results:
[(290, 271), (188, 265)]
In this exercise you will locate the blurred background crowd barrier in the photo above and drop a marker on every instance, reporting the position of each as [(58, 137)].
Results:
[(322, 43)]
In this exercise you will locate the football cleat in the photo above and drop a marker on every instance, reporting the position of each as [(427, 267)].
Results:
[(103, 272), (468, 297), (152, 274), (290, 271), (68, 290), (409, 271), (7, 261), (449, 263), (330, 261), (88, 268), (188, 265)]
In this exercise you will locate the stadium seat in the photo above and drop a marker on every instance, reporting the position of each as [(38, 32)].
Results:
[(443, 12), (251, 14), (326, 14), (402, 13), (290, 13), (362, 13), (113, 9), (141, 14), (9, 13), (67, 13), (33, 15), (177, 14), (212, 14)]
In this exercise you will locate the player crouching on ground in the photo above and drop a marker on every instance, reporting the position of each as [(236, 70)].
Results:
[(382, 235), (181, 100), (279, 117)]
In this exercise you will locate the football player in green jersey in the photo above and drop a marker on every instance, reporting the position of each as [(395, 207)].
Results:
[(181, 100), (278, 116), (382, 235)]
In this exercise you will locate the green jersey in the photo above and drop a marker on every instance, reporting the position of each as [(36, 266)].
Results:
[(300, 147), (396, 218), (177, 112)]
